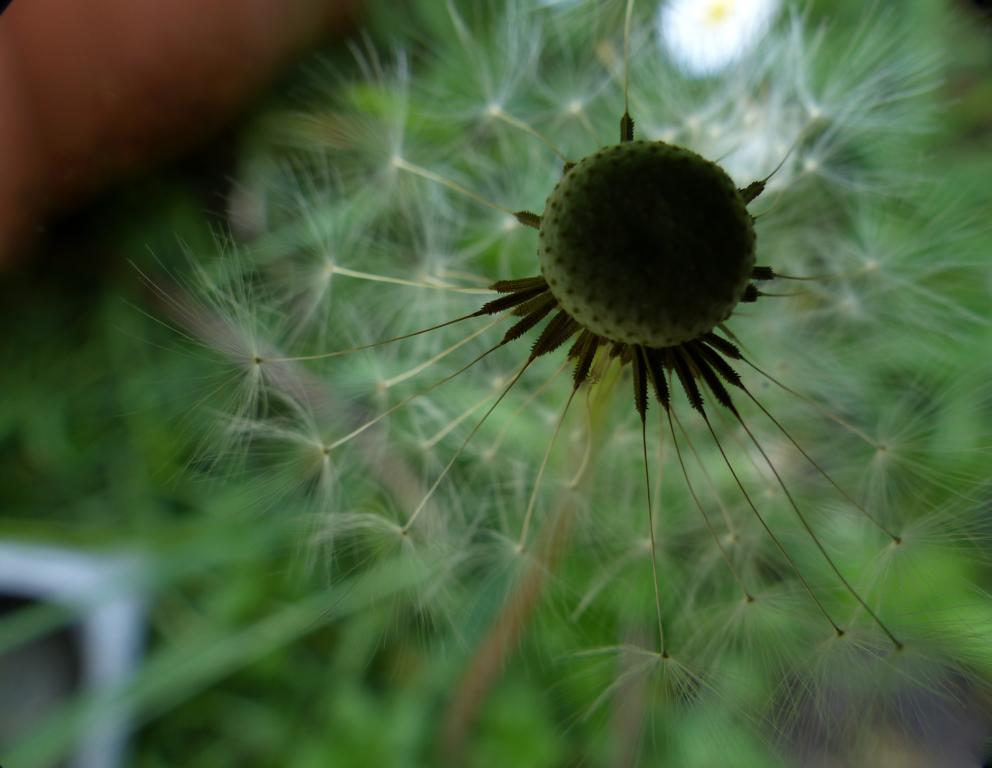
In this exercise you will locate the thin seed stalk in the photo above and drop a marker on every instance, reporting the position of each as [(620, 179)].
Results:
[(489, 660)]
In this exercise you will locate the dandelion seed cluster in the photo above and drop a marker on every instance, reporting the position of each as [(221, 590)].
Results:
[(795, 488)]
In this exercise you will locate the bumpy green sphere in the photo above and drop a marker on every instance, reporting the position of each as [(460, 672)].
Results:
[(647, 243)]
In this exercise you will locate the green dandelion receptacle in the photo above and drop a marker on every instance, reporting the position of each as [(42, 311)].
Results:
[(647, 243)]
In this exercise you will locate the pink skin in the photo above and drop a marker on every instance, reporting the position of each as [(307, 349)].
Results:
[(92, 91)]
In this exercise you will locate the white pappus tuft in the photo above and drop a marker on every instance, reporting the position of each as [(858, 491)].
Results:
[(706, 36)]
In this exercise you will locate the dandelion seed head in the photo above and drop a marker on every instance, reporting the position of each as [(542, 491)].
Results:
[(376, 237)]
